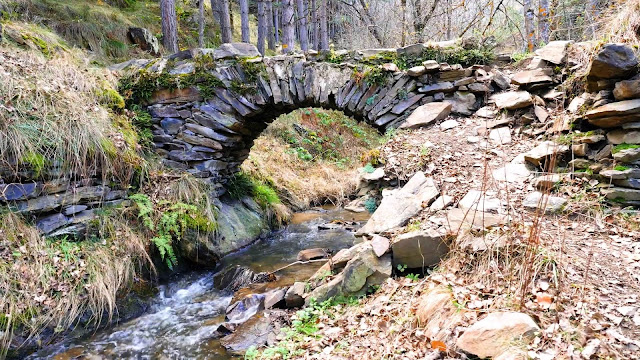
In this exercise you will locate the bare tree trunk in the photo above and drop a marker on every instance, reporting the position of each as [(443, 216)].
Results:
[(314, 25), (528, 25), (288, 30), (271, 40), (449, 11), (262, 26), (543, 22), (324, 31), (403, 9), (215, 8), (371, 22), (302, 22), (225, 21), (169, 25), (244, 20), (201, 23), (276, 22), (420, 19)]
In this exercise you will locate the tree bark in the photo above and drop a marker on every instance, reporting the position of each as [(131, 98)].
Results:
[(403, 9), (324, 29), (262, 26), (169, 25), (314, 25), (276, 22), (215, 9), (528, 26), (244, 20), (543, 22), (225, 21), (271, 39), (201, 23), (371, 22), (288, 30), (449, 11), (302, 28)]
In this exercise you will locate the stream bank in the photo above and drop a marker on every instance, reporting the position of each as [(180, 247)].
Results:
[(187, 311)]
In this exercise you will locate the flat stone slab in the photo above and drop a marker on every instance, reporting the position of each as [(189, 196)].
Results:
[(449, 124), (496, 333), (551, 204), (427, 114), (622, 194), (419, 249), (512, 173), (544, 151), (554, 52), (531, 77), (500, 136), (615, 114), (476, 200), (396, 209), (513, 100)]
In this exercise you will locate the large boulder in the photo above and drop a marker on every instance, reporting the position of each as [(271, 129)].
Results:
[(396, 209), (419, 249), (496, 333), (427, 114), (614, 61), (362, 271), (513, 100), (145, 40), (615, 114), (554, 52)]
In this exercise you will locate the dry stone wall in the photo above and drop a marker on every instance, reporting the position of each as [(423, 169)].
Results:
[(208, 130)]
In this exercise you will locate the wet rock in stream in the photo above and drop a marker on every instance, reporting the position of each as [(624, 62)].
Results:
[(236, 277)]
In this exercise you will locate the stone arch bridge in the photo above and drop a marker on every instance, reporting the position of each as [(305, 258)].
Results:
[(208, 105)]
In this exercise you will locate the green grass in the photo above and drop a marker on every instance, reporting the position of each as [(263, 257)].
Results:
[(622, 147), (242, 184), (621, 168)]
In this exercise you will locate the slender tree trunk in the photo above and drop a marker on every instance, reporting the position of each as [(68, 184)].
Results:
[(244, 20), (302, 22), (403, 9), (215, 9), (288, 30), (225, 21), (543, 22), (528, 25), (169, 25), (371, 22), (276, 22), (201, 23), (324, 29), (271, 39), (262, 26), (314, 25), (449, 11)]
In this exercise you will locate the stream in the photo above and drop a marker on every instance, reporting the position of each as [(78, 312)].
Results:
[(188, 309)]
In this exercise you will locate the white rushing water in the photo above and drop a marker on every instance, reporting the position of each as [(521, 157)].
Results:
[(185, 313)]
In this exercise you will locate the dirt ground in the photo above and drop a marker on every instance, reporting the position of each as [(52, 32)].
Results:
[(578, 275)]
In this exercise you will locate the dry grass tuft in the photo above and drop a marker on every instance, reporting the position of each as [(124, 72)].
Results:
[(51, 118), (621, 23), (50, 283)]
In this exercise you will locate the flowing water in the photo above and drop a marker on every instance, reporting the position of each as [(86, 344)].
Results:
[(187, 310)]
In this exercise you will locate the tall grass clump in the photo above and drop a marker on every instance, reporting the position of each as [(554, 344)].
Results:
[(52, 120), (51, 283)]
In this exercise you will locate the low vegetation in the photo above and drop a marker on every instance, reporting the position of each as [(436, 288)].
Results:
[(310, 155)]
